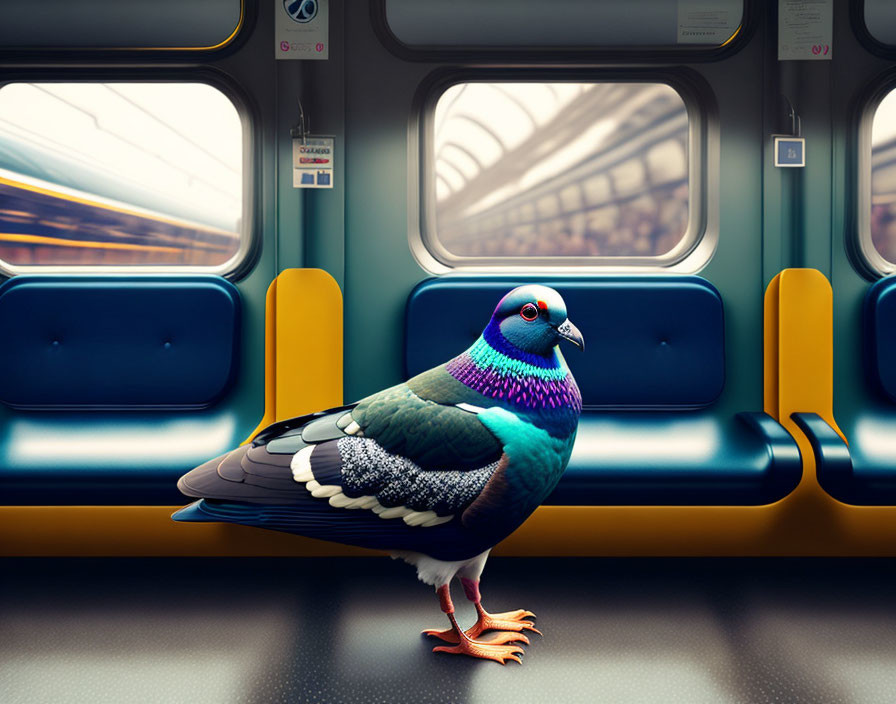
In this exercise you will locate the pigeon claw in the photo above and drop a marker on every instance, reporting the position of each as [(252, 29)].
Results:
[(503, 638), (506, 621), (483, 650)]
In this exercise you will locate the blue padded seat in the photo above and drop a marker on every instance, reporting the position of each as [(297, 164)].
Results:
[(879, 328), (110, 385), (862, 473), (104, 342), (653, 366), (694, 458), (865, 472)]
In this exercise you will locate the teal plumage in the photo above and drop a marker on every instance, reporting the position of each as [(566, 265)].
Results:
[(535, 461), (436, 470)]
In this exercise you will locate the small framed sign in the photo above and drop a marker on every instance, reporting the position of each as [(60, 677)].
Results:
[(312, 162), (790, 152)]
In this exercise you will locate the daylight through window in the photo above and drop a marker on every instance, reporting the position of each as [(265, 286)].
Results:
[(883, 179), (588, 171), (120, 175)]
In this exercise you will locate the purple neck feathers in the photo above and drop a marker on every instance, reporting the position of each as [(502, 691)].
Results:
[(496, 369)]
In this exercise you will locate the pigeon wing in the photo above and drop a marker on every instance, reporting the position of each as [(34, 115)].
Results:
[(431, 420), (323, 460)]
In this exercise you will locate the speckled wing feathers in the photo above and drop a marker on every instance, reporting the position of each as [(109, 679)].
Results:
[(361, 467)]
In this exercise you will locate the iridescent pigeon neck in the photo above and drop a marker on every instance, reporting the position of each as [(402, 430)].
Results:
[(496, 369)]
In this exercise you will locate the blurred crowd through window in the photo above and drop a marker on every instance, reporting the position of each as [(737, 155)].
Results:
[(545, 170), (883, 178)]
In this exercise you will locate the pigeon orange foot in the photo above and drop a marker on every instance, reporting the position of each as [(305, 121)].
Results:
[(487, 650), (507, 627)]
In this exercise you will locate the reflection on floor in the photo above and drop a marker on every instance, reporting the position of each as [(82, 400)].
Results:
[(347, 630)]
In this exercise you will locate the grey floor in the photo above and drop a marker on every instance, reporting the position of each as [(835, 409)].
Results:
[(347, 630)]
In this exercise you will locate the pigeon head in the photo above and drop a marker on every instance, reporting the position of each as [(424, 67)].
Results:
[(516, 361), (533, 319)]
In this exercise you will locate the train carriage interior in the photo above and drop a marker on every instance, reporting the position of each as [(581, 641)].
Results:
[(219, 218)]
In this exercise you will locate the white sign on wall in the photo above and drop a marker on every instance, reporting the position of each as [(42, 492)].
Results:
[(312, 162), (301, 29), (805, 30)]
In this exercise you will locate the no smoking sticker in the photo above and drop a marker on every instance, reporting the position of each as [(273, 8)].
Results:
[(301, 29)]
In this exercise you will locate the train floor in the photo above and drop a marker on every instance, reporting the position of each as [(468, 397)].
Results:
[(348, 630)]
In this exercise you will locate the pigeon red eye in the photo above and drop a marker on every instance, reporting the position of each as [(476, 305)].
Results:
[(529, 312)]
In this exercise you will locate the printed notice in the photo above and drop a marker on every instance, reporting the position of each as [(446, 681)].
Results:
[(805, 30), (707, 21), (301, 29), (312, 162)]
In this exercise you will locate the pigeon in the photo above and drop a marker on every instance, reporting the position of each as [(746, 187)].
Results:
[(435, 471)]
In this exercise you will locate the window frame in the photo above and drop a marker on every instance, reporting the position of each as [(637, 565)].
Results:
[(246, 22), (245, 257), (523, 55), (867, 259), (864, 35), (691, 254)]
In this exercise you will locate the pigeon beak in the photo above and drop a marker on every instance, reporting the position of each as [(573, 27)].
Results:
[(570, 332)]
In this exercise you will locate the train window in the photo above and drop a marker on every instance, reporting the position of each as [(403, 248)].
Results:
[(121, 175), (167, 25), (880, 20), (534, 23), (558, 174), (879, 236)]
